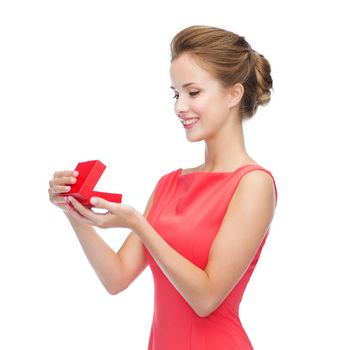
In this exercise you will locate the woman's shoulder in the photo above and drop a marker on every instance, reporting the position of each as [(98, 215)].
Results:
[(168, 174), (190, 170), (200, 168)]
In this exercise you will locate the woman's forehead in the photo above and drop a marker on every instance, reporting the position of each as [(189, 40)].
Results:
[(186, 72)]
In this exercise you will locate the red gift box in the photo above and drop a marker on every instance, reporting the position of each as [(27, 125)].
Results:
[(89, 174)]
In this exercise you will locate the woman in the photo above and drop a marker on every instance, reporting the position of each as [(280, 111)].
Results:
[(203, 228)]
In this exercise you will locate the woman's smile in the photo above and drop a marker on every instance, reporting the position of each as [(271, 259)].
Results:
[(188, 124)]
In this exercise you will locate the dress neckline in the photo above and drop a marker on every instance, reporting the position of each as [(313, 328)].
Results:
[(180, 170)]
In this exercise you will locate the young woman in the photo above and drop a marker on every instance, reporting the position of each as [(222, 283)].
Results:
[(203, 228)]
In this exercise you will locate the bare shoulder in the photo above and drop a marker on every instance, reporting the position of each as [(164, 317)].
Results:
[(191, 170), (257, 182)]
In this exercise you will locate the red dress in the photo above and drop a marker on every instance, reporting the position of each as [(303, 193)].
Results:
[(187, 212)]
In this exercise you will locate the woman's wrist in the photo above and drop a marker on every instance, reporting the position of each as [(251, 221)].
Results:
[(137, 222)]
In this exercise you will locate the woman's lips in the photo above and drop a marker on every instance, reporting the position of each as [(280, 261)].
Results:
[(189, 126)]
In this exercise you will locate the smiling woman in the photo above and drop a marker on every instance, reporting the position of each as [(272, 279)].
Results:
[(203, 228), (207, 226), (229, 59)]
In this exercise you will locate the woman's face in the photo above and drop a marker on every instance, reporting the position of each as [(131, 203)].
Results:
[(204, 98)]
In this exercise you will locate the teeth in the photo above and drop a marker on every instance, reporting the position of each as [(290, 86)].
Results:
[(189, 121)]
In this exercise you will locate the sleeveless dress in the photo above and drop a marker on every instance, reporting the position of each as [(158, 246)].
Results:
[(187, 212)]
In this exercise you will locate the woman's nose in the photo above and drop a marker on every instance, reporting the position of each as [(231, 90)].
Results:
[(181, 106)]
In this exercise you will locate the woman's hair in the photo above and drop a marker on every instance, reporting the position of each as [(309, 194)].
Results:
[(230, 59)]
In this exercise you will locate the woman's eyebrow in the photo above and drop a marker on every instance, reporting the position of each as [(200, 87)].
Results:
[(184, 85)]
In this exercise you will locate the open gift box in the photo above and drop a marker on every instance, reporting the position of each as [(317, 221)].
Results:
[(89, 174)]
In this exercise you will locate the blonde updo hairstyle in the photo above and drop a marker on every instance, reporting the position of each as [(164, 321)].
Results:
[(230, 59)]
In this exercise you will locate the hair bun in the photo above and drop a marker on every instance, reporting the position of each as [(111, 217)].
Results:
[(263, 79), (230, 59)]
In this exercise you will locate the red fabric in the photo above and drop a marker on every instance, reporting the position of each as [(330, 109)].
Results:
[(187, 212)]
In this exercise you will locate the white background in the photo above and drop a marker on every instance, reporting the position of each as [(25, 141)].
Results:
[(84, 80)]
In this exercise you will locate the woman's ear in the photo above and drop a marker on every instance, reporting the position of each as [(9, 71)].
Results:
[(236, 93)]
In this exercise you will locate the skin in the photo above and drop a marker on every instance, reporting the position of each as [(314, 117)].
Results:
[(245, 223), (218, 109)]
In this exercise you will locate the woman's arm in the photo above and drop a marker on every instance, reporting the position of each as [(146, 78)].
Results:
[(118, 270), (103, 259), (246, 221), (115, 270)]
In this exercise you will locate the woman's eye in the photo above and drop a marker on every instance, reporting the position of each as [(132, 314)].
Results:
[(191, 93)]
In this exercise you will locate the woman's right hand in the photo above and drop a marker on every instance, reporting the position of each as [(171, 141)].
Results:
[(60, 183)]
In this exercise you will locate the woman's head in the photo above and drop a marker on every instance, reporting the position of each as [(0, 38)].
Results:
[(230, 60)]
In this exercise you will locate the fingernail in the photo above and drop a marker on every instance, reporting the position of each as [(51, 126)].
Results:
[(76, 173), (93, 200)]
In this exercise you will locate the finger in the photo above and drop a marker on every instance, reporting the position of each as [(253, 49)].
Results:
[(65, 173), (83, 210), (59, 189), (59, 199), (99, 202), (77, 216), (64, 180)]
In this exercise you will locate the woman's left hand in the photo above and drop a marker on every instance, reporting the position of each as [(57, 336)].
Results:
[(117, 215)]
